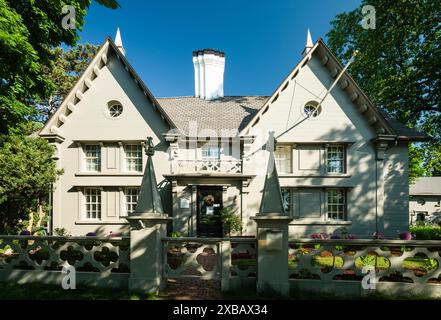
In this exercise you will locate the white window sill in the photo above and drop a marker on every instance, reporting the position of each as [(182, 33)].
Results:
[(100, 222), (295, 175), (320, 222), (101, 174)]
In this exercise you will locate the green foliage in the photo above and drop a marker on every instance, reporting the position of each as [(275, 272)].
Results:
[(29, 30), (176, 234), (398, 67), (428, 232), (27, 171), (61, 232), (231, 220), (64, 70)]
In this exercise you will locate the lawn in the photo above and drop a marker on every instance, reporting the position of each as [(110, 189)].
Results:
[(50, 292)]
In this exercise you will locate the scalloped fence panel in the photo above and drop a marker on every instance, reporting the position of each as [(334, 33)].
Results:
[(402, 268), (98, 261), (230, 261)]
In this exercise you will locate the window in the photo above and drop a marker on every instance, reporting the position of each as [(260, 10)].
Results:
[(210, 152), (92, 203), (312, 109), (286, 199), (115, 110), (133, 157), (93, 157), (131, 199), (336, 204), (335, 159), (283, 157)]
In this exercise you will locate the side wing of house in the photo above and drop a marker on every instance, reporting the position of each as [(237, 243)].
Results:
[(339, 162), (99, 133)]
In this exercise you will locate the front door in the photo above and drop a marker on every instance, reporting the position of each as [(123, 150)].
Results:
[(209, 201)]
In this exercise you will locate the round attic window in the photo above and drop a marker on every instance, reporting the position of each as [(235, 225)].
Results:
[(312, 109), (115, 110)]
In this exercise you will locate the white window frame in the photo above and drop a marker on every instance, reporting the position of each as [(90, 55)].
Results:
[(341, 158), (206, 151), (284, 163), (97, 158), (98, 202), (341, 207), (128, 203), (289, 191), (128, 157)]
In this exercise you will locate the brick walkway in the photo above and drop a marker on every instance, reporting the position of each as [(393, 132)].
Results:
[(191, 289)]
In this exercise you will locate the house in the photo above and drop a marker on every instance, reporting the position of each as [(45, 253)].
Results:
[(425, 200), (342, 162)]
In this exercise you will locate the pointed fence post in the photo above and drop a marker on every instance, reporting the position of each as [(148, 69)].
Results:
[(272, 234), (148, 225)]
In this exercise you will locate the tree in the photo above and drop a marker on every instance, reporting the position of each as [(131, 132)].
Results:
[(63, 72), (29, 30), (27, 172), (399, 67)]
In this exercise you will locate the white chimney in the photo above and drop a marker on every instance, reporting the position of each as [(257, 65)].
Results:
[(209, 66)]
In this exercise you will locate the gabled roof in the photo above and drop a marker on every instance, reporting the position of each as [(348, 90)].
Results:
[(377, 118), (426, 186), (227, 113), (85, 82)]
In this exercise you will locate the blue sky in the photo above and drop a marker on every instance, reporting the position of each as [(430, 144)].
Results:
[(262, 39)]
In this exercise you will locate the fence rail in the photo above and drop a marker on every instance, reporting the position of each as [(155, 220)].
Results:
[(337, 265), (97, 260), (209, 166)]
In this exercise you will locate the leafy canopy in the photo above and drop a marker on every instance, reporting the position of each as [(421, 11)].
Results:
[(399, 66), (29, 30)]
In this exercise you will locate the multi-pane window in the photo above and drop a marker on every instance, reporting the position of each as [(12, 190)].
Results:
[(92, 203), (286, 199), (335, 160), (210, 152), (283, 157), (336, 204), (93, 157), (131, 199), (133, 157)]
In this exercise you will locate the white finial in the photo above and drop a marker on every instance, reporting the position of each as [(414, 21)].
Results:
[(309, 43), (118, 42)]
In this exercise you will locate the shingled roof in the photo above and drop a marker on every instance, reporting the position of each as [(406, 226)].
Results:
[(403, 132), (235, 112), (426, 186), (227, 113)]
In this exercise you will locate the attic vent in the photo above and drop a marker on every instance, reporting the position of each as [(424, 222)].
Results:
[(312, 109)]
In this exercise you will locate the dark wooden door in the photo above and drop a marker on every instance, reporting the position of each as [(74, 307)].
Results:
[(209, 208)]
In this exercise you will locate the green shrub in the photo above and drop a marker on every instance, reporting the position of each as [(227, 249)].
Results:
[(426, 232)]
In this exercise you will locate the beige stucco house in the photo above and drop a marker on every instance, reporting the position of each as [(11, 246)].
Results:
[(425, 200), (342, 162)]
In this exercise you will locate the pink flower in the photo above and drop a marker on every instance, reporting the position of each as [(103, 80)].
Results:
[(406, 235)]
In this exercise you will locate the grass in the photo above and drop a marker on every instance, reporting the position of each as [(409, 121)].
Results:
[(49, 292)]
